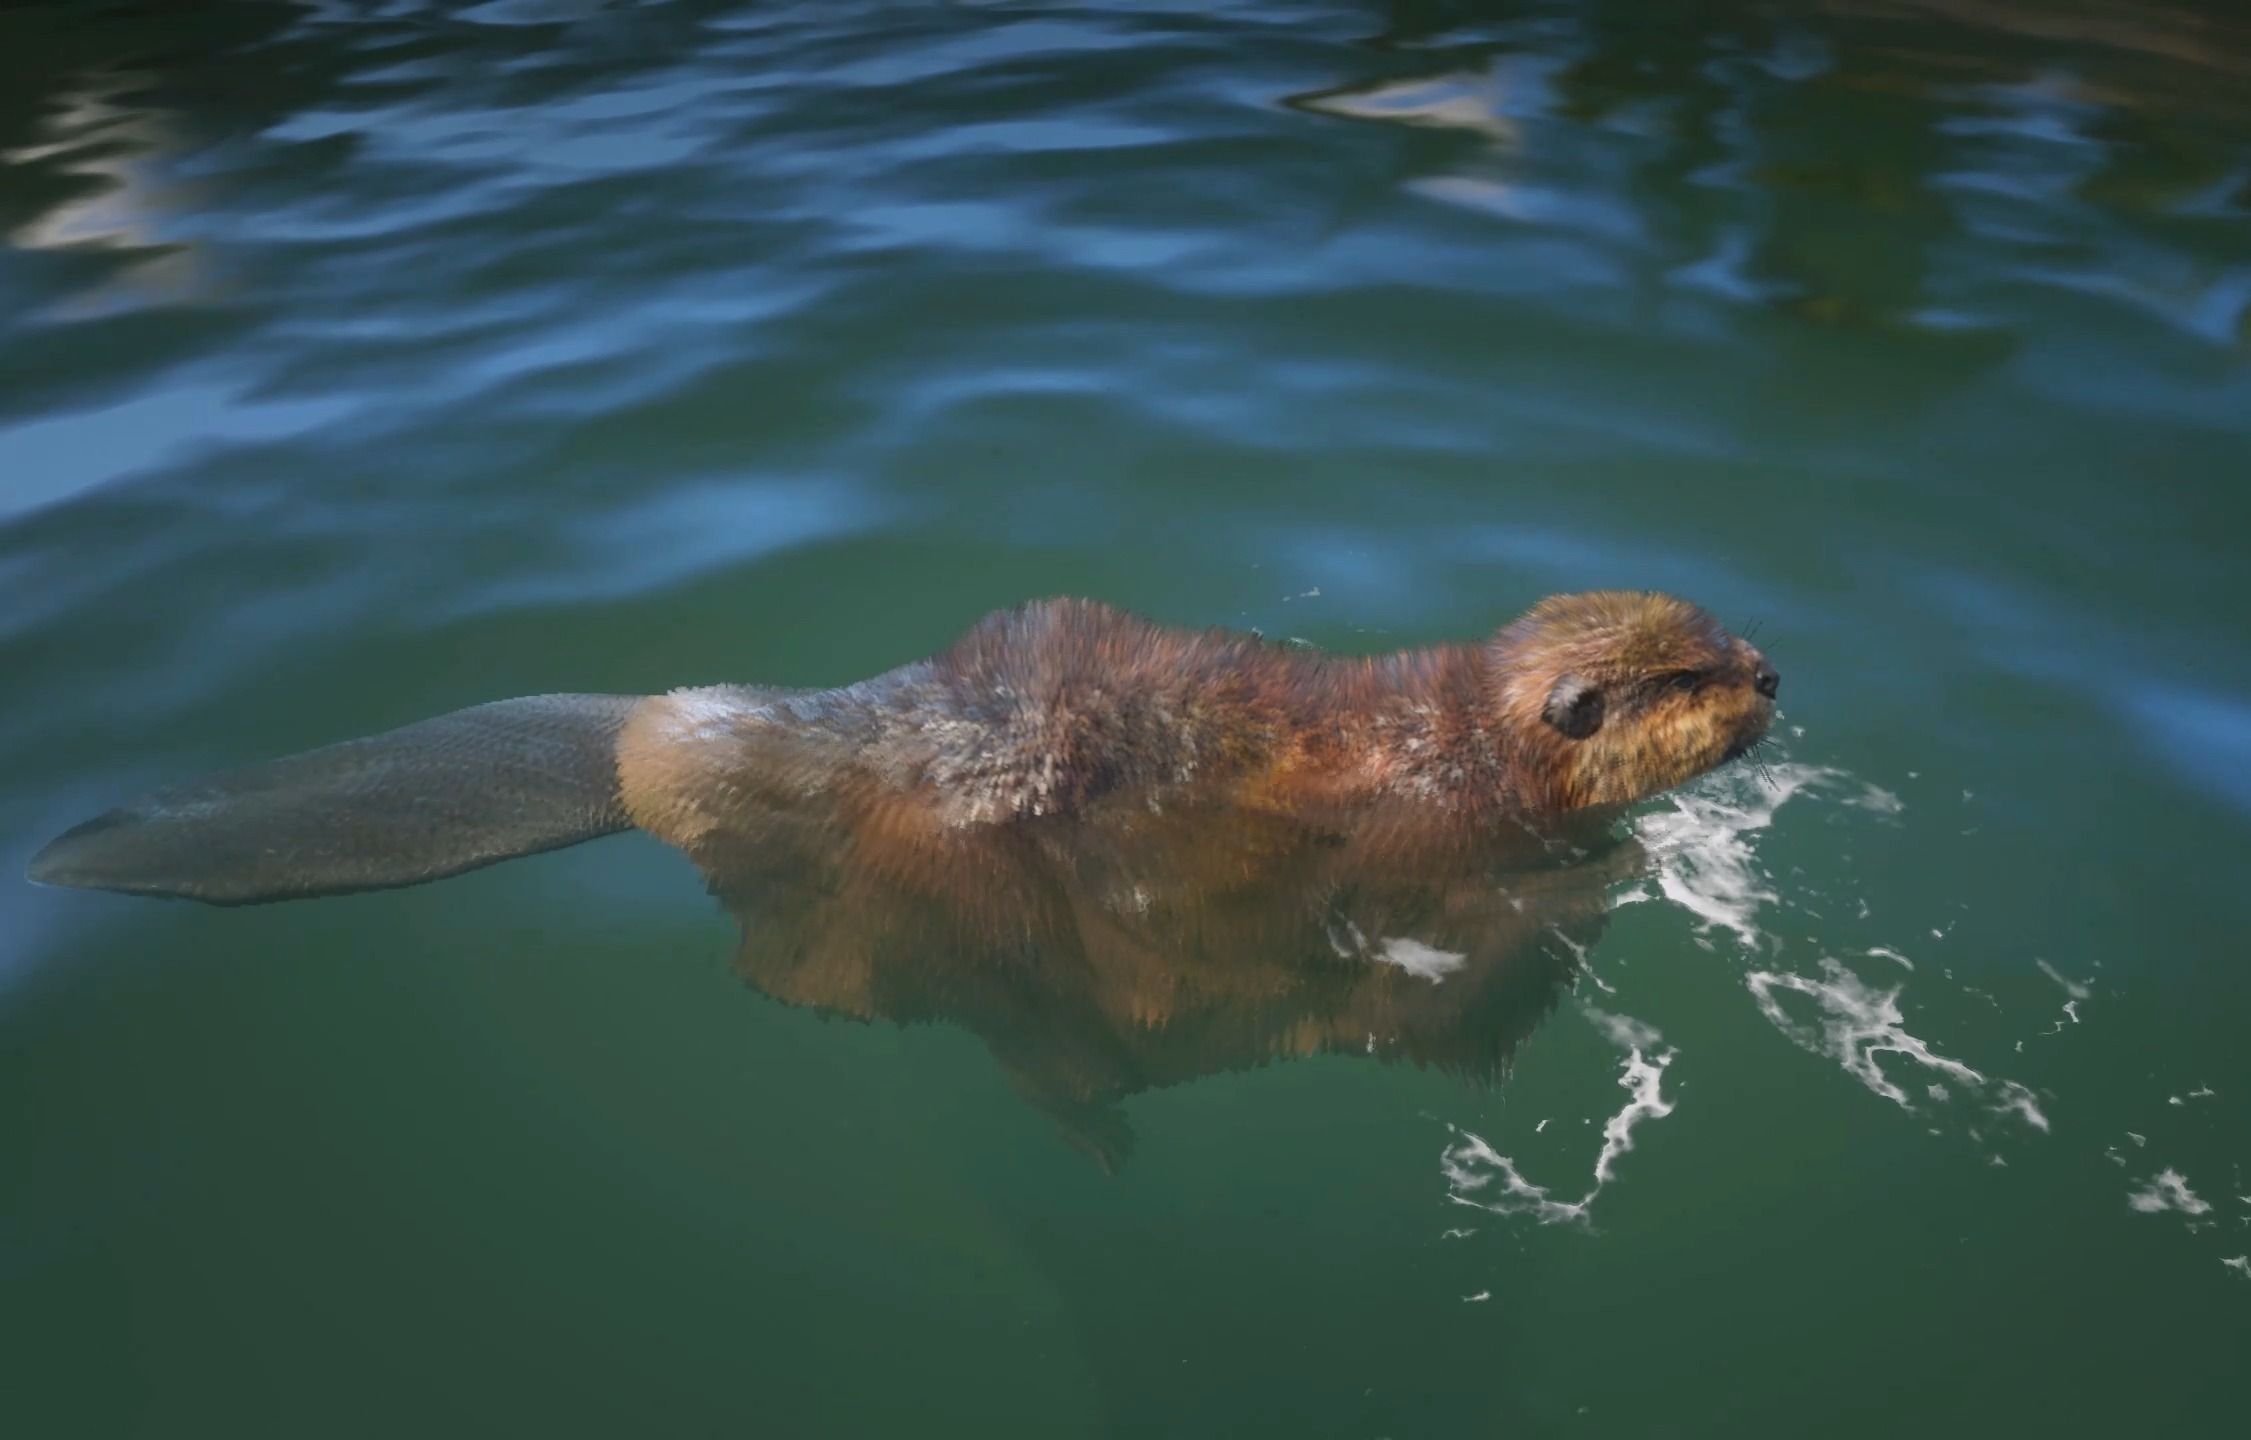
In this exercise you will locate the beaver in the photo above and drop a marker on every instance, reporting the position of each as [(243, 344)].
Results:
[(1057, 713)]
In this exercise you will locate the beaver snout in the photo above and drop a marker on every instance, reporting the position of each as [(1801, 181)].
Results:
[(1766, 680)]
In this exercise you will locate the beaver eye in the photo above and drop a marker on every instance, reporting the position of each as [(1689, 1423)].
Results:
[(1686, 680), (1575, 706)]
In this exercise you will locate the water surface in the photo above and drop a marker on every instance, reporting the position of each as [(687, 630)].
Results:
[(362, 362)]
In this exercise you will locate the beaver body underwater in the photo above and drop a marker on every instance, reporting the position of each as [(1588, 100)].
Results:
[(1096, 963), (1059, 713)]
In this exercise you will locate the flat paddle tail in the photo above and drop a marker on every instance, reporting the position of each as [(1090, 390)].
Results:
[(419, 803)]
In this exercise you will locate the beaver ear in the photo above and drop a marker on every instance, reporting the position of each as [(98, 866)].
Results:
[(1574, 707)]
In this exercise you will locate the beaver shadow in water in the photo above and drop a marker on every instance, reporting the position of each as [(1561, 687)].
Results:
[(1098, 961)]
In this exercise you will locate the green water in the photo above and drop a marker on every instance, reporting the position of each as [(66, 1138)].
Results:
[(362, 362)]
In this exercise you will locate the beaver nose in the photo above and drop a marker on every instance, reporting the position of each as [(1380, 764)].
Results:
[(1767, 679)]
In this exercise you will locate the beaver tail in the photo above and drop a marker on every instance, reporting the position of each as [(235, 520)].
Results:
[(420, 803)]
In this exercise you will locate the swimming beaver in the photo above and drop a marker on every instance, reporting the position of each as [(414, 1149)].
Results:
[(1056, 713)]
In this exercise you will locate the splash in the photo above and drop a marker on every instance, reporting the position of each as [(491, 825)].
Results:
[(1643, 1080), (2014, 1099), (2071, 987), (1857, 1022), (2168, 1191), (1472, 1166), (1705, 860), (1478, 1175), (1841, 998), (2076, 990), (1702, 847), (1425, 962)]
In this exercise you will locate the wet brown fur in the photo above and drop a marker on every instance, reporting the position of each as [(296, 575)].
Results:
[(1070, 710)]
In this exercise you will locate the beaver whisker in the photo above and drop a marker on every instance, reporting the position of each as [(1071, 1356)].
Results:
[(1766, 775)]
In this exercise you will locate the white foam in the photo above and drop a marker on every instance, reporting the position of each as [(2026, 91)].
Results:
[(1471, 1166), (2074, 989), (1858, 1022), (1624, 1031), (2071, 987), (2240, 1264), (1477, 1174), (1877, 799), (1703, 853), (1425, 962), (1702, 846), (2168, 1191), (1644, 1082), (1563, 938), (2015, 1099)]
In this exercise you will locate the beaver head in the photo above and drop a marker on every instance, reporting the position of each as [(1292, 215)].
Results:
[(1614, 695)]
